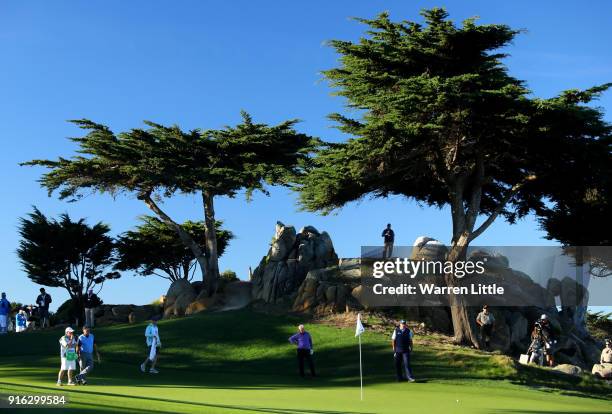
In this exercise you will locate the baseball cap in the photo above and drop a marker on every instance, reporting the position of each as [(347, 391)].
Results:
[(543, 317), (403, 321), (69, 329)]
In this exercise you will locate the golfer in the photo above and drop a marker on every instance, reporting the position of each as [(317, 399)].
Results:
[(68, 356), (86, 346), (153, 345), (486, 321), (5, 309), (401, 341), (303, 340)]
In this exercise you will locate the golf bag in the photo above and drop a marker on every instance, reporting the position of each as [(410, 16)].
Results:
[(536, 352)]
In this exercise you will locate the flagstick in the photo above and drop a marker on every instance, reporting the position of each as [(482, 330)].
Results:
[(360, 368)]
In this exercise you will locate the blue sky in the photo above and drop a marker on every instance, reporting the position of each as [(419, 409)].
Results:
[(197, 64)]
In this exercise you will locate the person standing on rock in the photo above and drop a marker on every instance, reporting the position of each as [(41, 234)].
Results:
[(305, 350), (153, 345), (401, 341), (43, 301), (92, 301), (388, 236), (486, 321), (5, 310)]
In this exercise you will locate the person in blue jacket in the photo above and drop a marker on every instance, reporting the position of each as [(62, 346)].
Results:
[(5, 310), (21, 321)]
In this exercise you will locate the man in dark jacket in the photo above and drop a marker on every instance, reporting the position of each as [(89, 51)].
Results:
[(401, 341), (92, 301), (388, 236), (43, 301)]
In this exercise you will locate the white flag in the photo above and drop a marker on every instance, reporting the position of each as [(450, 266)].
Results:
[(359, 329)]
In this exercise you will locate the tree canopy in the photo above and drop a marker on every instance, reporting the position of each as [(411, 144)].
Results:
[(154, 248), (66, 253), (439, 119), (159, 161)]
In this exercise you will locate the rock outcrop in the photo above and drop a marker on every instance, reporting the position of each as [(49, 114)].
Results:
[(290, 257), (568, 369), (234, 295), (602, 371), (179, 296), (330, 290), (112, 314)]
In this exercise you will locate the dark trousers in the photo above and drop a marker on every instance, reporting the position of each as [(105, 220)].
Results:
[(485, 334), (387, 250), (304, 354), (403, 357)]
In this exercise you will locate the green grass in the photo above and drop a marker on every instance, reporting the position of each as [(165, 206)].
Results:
[(241, 362)]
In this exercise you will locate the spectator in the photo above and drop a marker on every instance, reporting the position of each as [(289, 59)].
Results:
[(21, 321), (31, 323), (68, 356), (92, 301), (606, 354), (401, 341), (543, 333), (86, 346), (153, 345), (43, 301), (486, 321), (389, 238), (305, 350), (5, 310)]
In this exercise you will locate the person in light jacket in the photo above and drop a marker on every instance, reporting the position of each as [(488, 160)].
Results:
[(153, 344)]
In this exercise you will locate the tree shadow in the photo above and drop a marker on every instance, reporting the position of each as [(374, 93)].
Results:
[(246, 350), (246, 408)]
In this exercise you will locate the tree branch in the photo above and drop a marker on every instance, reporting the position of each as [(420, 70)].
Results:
[(511, 193)]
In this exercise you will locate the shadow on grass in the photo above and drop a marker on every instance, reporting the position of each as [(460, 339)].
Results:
[(247, 350), (271, 410), (542, 412)]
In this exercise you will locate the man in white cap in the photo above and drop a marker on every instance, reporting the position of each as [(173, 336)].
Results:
[(68, 356)]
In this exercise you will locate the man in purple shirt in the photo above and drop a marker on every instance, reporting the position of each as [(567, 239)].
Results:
[(303, 340)]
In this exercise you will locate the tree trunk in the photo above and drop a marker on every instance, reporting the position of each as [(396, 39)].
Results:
[(210, 233), (463, 316), (185, 237)]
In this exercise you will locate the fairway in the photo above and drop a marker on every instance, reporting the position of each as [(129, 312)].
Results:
[(240, 362)]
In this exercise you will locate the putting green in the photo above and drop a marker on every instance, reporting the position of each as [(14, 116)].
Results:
[(240, 362)]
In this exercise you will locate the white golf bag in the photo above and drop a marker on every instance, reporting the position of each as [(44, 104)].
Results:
[(536, 353)]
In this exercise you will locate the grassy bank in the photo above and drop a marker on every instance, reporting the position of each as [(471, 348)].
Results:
[(241, 362)]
